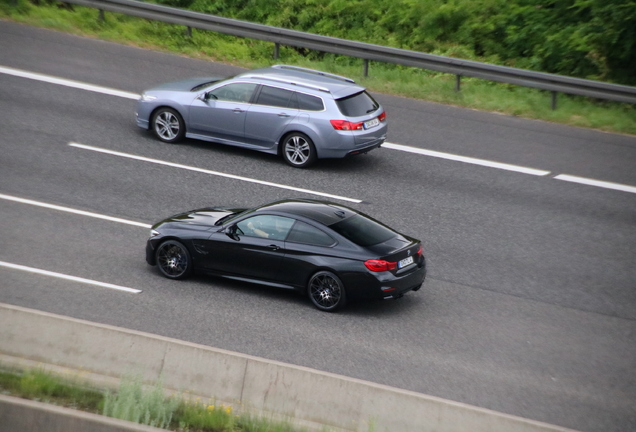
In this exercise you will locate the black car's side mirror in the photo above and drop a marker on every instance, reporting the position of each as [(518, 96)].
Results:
[(232, 232)]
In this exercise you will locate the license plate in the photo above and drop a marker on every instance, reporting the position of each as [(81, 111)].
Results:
[(405, 262), (371, 123)]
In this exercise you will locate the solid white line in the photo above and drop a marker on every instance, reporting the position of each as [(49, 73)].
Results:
[(216, 173), (67, 83), (70, 210), (68, 277), (465, 159), (599, 183)]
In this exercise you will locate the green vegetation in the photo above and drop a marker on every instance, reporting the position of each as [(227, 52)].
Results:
[(586, 38), (133, 403)]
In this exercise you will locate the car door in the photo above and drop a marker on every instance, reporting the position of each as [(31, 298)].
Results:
[(221, 112), (253, 249), (268, 116)]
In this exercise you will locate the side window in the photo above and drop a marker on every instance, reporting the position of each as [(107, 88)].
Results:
[(272, 96), (307, 234), (306, 102), (266, 226), (237, 92)]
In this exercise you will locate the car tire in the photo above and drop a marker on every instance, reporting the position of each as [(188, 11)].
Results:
[(168, 125), (326, 291), (173, 260), (298, 150)]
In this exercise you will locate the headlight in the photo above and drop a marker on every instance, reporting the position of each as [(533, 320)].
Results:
[(153, 233), (145, 97)]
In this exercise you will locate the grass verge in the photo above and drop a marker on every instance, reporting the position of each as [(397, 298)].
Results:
[(385, 78), (134, 403)]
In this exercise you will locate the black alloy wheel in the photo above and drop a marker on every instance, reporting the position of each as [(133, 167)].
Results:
[(173, 260), (298, 150), (168, 125), (326, 291)]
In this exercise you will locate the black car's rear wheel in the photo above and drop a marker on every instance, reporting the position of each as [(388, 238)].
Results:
[(326, 291), (173, 260), (168, 125), (298, 150)]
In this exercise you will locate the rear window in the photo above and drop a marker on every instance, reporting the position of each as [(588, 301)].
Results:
[(363, 231), (357, 105)]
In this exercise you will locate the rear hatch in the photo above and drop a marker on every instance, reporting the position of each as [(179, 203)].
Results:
[(405, 252)]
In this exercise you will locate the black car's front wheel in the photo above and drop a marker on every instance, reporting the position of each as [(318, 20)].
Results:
[(168, 125), (326, 291), (173, 260), (298, 150)]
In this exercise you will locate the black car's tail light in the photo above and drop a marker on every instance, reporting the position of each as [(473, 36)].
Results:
[(380, 265)]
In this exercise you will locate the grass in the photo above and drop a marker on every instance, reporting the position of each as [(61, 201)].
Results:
[(383, 78), (134, 403)]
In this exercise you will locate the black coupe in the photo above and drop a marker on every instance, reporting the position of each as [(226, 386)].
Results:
[(328, 251)]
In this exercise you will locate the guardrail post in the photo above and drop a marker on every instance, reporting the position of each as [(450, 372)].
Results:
[(102, 18), (189, 32), (458, 81), (276, 50), (554, 100), (366, 68)]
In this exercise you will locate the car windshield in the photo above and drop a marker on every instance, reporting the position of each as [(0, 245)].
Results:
[(204, 85), (363, 231), (229, 217), (357, 105)]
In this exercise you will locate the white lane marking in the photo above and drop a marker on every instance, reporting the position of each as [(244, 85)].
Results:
[(216, 173), (70, 210), (465, 159), (68, 277), (599, 183), (67, 83)]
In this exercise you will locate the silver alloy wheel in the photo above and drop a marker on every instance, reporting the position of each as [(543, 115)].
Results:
[(326, 291), (298, 150), (167, 125), (173, 260)]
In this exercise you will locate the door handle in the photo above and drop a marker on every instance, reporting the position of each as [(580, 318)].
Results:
[(238, 110), (283, 115), (274, 247)]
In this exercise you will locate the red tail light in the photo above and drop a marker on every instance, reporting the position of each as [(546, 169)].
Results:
[(419, 251), (345, 125), (382, 117), (380, 265)]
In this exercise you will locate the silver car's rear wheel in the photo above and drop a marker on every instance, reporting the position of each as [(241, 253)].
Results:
[(173, 260), (168, 125), (326, 291), (298, 150)]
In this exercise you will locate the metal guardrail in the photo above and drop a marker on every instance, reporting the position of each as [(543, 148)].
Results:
[(279, 36)]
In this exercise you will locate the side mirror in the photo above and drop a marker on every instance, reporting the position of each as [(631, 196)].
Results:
[(231, 232)]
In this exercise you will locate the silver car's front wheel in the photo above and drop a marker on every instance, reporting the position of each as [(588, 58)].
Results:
[(298, 150), (168, 125)]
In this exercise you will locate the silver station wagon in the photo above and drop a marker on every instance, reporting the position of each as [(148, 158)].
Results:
[(297, 113)]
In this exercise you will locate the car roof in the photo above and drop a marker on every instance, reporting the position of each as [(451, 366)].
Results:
[(337, 85), (323, 212)]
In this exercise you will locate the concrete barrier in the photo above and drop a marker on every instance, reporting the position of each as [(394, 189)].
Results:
[(102, 354), (19, 415)]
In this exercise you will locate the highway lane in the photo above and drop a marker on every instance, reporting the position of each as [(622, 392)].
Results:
[(529, 308)]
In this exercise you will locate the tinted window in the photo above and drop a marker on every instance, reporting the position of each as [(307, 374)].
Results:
[(307, 234), (272, 96), (357, 105), (363, 231), (266, 226), (306, 102), (239, 92)]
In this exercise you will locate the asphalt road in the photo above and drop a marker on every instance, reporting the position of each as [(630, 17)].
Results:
[(530, 303)]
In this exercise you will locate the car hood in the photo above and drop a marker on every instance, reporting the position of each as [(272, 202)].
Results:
[(207, 216), (186, 85)]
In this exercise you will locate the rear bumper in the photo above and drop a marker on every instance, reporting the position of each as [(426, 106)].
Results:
[(386, 285)]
